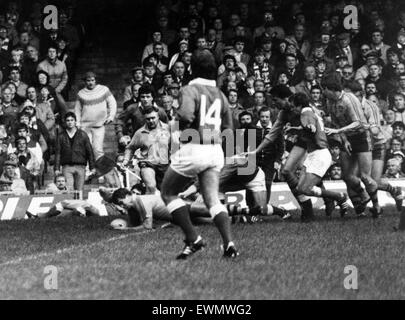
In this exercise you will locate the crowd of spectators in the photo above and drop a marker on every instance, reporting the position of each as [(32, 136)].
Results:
[(261, 47), (36, 70)]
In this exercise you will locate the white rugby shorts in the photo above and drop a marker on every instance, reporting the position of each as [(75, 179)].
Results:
[(318, 162), (192, 159)]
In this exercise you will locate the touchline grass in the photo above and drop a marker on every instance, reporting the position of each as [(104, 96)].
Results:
[(279, 260)]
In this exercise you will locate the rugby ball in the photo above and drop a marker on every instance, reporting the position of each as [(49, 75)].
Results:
[(119, 224)]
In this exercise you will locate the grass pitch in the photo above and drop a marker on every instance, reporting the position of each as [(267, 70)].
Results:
[(279, 260)]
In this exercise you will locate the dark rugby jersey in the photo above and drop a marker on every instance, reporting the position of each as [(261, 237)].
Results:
[(314, 140), (283, 118), (204, 109)]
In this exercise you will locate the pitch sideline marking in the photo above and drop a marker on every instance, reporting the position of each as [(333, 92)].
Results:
[(71, 248)]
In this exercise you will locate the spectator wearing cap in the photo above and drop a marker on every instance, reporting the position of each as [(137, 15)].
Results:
[(393, 170), (378, 45), (95, 108), (344, 47), (9, 180), (389, 70), (15, 78), (362, 72), (138, 75), (269, 27), (298, 39), (73, 152), (260, 68), (318, 55), (58, 75), (156, 38), (183, 46)]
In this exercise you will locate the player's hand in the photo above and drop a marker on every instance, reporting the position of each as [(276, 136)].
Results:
[(93, 172), (330, 131), (277, 166), (347, 147), (249, 153)]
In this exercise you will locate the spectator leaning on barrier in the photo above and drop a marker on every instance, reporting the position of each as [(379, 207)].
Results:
[(73, 153), (95, 107)]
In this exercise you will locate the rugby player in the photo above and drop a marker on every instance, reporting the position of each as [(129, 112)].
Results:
[(202, 114), (372, 113), (319, 158), (298, 153), (347, 113)]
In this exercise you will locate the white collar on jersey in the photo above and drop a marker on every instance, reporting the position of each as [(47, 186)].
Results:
[(204, 82)]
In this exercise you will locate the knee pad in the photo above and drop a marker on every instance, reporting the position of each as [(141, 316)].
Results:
[(217, 209), (175, 204)]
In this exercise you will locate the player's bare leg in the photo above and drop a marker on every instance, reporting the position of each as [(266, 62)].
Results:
[(149, 178), (209, 185), (173, 183), (295, 158), (307, 185)]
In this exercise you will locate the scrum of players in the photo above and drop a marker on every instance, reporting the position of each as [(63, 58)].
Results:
[(199, 164)]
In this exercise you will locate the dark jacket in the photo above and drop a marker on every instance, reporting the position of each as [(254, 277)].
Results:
[(79, 153)]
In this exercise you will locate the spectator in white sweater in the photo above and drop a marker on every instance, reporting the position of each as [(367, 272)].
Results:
[(95, 107)]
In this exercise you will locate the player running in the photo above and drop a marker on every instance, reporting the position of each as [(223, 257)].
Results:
[(319, 158), (202, 114), (297, 154), (372, 113), (347, 113)]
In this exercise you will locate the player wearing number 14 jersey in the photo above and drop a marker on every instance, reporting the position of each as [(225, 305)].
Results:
[(202, 115)]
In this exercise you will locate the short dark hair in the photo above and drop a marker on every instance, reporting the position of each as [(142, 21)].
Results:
[(149, 109), (300, 99), (264, 109), (397, 124), (58, 176), (70, 114), (203, 64), (20, 138), (244, 113), (318, 87), (146, 89), (119, 194), (22, 126)]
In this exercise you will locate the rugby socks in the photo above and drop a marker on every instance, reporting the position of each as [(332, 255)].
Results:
[(307, 210), (221, 221), (181, 217)]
